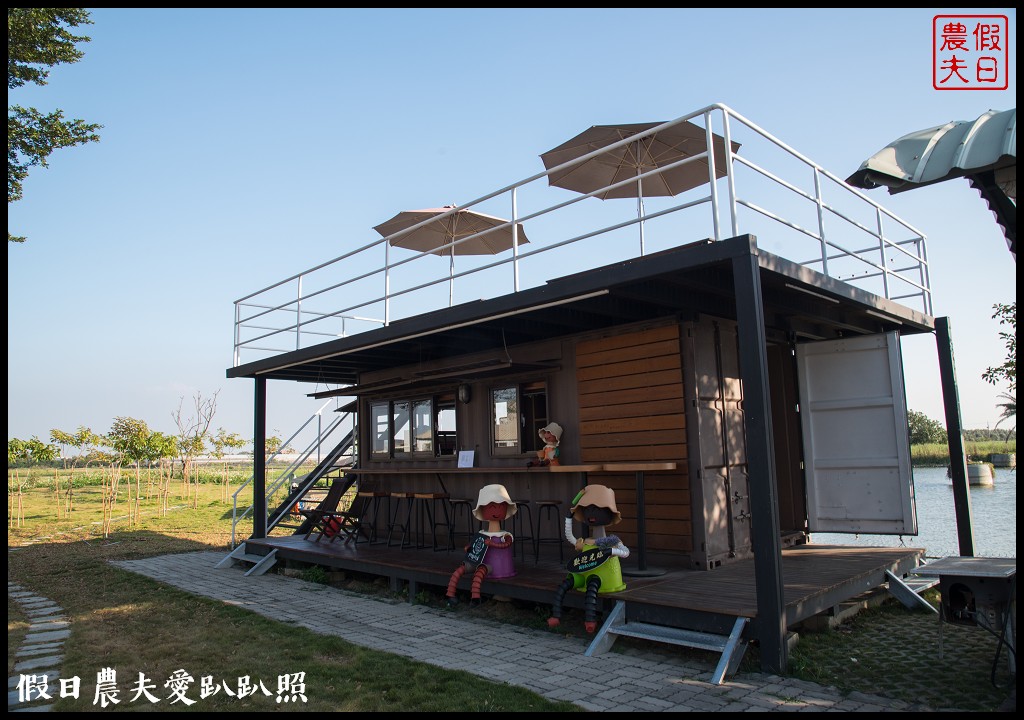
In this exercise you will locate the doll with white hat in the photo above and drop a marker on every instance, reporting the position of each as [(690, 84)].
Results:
[(551, 434), (595, 568), (489, 552)]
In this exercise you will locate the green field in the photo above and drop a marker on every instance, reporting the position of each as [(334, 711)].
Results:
[(938, 453)]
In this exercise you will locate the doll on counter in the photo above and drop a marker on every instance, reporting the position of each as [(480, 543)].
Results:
[(551, 434), (489, 552), (595, 568)]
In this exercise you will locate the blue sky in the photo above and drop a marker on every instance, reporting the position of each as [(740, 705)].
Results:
[(241, 146)]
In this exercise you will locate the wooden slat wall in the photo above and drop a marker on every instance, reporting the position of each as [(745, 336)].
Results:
[(631, 409)]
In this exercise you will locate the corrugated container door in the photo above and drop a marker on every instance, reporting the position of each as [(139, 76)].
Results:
[(856, 440)]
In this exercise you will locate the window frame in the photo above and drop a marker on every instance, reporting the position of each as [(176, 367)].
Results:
[(410, 426), (527, 440)]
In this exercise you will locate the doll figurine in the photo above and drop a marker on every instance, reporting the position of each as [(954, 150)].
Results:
[(551, 434), (595, 567), (490, 551)]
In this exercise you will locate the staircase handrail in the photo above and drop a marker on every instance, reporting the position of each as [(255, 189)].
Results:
[(289, 472)]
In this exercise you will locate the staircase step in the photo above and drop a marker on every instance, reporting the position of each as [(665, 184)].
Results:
[(731, 646), (908, 590), (250, 557), (676, 636), (264, 563)]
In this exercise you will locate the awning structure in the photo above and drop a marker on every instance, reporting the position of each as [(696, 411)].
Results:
[(983, 150)]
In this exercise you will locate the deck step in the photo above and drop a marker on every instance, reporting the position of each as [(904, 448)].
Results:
[(731, 646), (257, 564), (908, 590)]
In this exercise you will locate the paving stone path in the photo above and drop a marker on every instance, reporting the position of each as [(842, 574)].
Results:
[(35, 681)]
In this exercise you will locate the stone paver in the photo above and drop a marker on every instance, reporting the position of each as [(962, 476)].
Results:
[(39, 655)]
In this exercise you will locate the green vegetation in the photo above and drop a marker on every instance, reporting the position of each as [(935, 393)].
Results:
[(133, 624), (1007, 371), (938, 453), (924, 430), (37, 39)]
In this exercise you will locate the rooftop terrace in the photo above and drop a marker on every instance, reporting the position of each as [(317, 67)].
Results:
[(718, 176)]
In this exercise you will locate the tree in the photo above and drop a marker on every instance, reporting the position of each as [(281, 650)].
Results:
[(16, 450), (30, 451), (1007, 315), (39, 38), (130, 440), (85, 440), (222, 442), (163, 447), (193, 431), (924, 430)]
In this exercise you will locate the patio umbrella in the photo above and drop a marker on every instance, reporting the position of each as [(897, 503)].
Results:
[(467, 226), (630, 160)]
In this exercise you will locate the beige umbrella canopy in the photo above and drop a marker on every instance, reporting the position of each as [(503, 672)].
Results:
[(631, 159), (475, 234)]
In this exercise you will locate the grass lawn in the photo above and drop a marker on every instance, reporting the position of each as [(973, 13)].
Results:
[(135, 625)]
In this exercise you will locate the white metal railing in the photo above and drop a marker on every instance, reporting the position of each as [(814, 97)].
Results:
[(797, 210), (345, 421)]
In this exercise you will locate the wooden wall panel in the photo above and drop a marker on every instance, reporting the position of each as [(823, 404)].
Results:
[(631, 409)]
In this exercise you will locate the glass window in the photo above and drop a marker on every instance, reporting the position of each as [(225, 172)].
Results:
[(379, 426), (534, 402), (404, 428), (505, 416), (401, 430), (447, 443), (518, 413), (423, 427)]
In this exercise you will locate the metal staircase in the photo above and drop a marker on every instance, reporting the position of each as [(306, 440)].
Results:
[(908, 589), (731, 646), (334, 464)]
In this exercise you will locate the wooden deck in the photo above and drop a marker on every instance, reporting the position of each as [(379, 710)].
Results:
[(816, 578)]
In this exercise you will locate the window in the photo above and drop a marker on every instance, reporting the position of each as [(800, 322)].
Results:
[(447, 441), (379, 426), (401, 432), (423, 427), (518, 412)]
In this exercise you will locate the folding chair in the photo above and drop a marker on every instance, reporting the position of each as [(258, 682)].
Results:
[(327, 521)]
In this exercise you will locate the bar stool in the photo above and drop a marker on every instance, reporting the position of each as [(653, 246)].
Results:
[(397, 521), (524, 519), (460, 507), (426, 505), (371, 500), (548, 509)]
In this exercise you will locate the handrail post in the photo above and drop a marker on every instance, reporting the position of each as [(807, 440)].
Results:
[(881, 249), (926, 280), (821, 220), (298, 314), (238, 336), (515, 243), (387, 284), (730, 177), (709, 141)]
